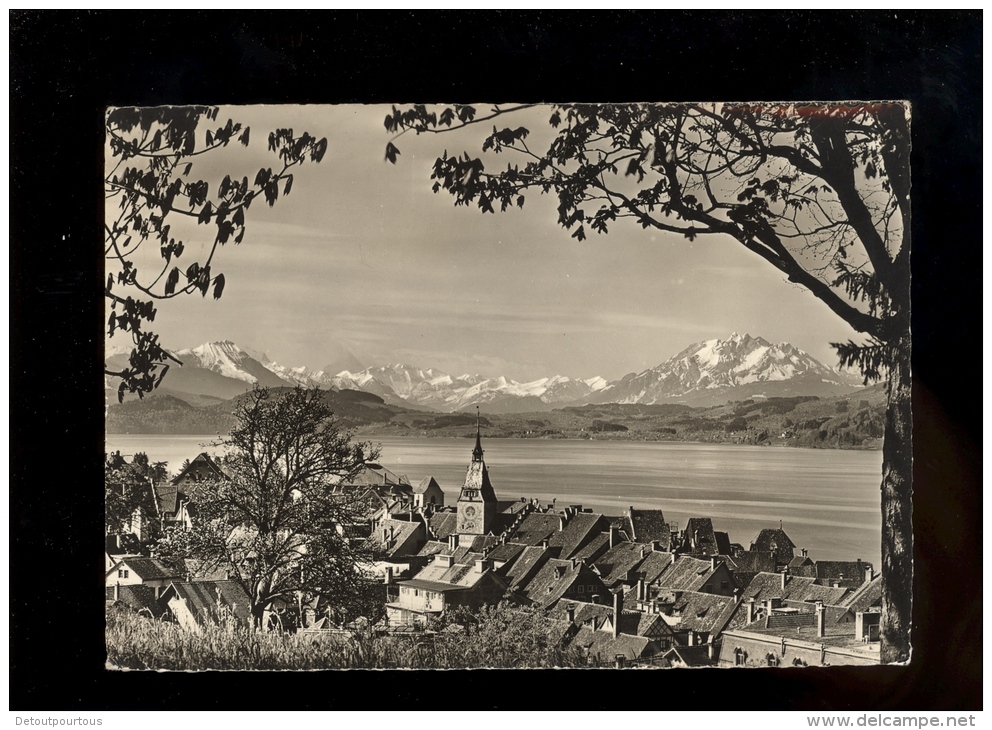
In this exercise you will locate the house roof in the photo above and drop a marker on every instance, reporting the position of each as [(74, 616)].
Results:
[(699, 537), (797, 588), (443, 524), (634, 623), (686, 574), (691, 656), (619, 560), (775, 540), (203, 599), (462, 572), (167, 497), (702, 612), (425, 484), (145, 568), (432, 585), (593, 549), (579, 531), (605, 646), (141, 598), (800, 561), (850, 574), (433, 547), (202, 461), (481, 542), (753, 561), (648, 525), (505, 553), (653, 565), (525, 565), (402, 532), (536, 527), (866, 596), (722, 542), (552, 580)]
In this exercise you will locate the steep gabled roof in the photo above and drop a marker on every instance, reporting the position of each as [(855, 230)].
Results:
[(552, 581), (425, 484), (603, 645), (577, 533), (686, 574), (617, 562), (765, 586), (529, 561), (849, 573), (536, 527), (776, 541), (207, 599), (202, 463), (648, 525), (699, 537), (443, 524), (866, 596), (653, 565), (505, 553), (140, 598), (752, 561), (701, 612), (690, 656), (145, 568), (593, 549), (167, 497)]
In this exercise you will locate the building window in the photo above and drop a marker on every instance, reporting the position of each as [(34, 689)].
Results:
[(416, 592), (740, 657), (121, 573), (581, 589)]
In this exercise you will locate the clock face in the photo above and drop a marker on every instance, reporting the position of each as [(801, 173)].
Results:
[(470, 511), (468, 526)]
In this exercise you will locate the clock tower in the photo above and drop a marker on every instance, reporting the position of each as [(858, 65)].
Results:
[(477, 500)]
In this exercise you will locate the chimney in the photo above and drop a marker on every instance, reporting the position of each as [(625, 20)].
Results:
[(614, 537), (617, 610), (804, 552), (821, 619), (452, 541), (480, 565), (869, 573), (117, 592), (691, 638), (595, 598), (642, 590), (785, 577), (570, 612), (713, 562), (737, 596), (559, 571), (750, 610), (545, 543), (389, 575), (710, 648)]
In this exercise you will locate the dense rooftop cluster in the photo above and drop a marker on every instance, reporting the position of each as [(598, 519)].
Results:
[(630, 589)]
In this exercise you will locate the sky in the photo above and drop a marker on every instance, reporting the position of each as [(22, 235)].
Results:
[(363, 258)]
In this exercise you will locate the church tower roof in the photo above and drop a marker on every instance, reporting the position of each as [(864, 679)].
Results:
[(477, 451), (477, 478)]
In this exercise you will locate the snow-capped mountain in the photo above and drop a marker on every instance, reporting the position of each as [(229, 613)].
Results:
[(717, 370), (437, 390), (705, 373)]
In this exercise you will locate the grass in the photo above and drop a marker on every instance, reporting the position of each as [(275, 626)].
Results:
[(138, 642)]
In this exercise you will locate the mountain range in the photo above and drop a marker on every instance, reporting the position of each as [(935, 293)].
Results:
[(706, 373)]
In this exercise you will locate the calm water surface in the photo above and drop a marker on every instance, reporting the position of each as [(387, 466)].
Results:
[(827, 500)]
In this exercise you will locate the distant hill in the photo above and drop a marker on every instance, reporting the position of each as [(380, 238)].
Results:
[(808, 421)]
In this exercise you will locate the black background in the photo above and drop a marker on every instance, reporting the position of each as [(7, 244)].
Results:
[(66, 67)]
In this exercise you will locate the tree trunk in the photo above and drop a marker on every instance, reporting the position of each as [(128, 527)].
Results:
[(897, 516), (258, 615)]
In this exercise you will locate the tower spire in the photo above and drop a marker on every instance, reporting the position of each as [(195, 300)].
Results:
[(477, 451)]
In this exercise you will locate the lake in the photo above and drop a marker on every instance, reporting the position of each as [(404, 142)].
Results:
[(827, 500)]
